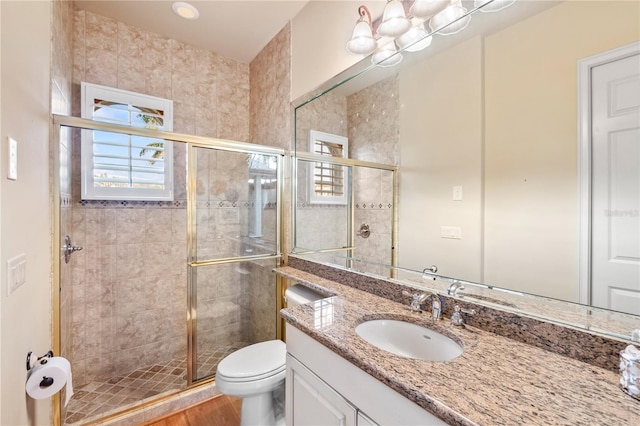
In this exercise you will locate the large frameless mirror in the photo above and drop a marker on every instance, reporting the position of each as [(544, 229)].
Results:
[(498, 180)]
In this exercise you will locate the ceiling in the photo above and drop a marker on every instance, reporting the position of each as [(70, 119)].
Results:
[(234, 28)]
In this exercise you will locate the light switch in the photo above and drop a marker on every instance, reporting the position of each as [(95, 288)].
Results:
[(452, 232), (12, 172), (16, 272), (457, 193)]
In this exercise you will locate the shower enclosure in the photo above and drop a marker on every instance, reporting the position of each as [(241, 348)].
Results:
[(358, 234), (163, 290)]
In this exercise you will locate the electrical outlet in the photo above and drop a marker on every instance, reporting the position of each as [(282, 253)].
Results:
[(16, 272)]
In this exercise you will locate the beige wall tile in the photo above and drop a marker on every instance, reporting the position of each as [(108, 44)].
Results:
[(206, 66), (131, 74), (183, 84), (158, 82), (130, 260), (183, 57), (101, 67), (130, 225), (131, 264), (178, 225), (184, 118), (158, 225), (101, 33), (132, 42)]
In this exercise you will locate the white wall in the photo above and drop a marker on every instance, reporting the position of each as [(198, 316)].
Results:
[(531, 170), (25, 223), (319, 34), (441, 147)]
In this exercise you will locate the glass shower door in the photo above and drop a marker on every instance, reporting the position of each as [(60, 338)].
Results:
[(234, 234)]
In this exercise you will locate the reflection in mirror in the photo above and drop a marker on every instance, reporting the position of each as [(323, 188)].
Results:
[(363, 227), (239, 191), (483, 126), (319, 226), (326, 180)]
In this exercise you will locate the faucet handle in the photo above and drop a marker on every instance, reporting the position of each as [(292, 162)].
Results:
[(414, 306), (457, 319)]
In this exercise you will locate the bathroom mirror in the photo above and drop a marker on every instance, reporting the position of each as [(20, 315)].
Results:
[(484, 128)]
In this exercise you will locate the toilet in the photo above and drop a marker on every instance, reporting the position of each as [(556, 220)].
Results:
[(256, 373)]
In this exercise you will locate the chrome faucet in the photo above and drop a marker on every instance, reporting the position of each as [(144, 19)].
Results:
[(454, 288), (419, 299)]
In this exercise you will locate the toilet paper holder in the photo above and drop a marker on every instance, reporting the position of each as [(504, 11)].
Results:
[(46, 381), (44, 361)]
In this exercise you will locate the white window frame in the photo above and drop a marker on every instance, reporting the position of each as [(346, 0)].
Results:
[(89, 93), (316, 137)]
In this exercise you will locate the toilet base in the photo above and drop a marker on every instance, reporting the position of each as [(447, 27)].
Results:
[(264, 409)]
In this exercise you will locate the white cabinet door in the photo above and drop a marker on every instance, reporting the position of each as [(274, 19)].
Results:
[(363, 420), (311, 402)]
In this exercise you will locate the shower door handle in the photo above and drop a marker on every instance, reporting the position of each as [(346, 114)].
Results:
[(68, 249)]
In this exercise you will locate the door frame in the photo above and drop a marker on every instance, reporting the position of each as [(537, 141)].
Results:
[(585, 67)]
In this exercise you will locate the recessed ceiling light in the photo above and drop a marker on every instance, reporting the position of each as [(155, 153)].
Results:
[(185, 10)]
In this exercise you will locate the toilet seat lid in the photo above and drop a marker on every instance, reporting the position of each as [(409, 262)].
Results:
[(255, 361)]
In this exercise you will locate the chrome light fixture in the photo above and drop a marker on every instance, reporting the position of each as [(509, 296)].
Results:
[(408, 32), (414, 40), (394, 20), (428, 8), (493, 6), (444, 23), (362, 41)]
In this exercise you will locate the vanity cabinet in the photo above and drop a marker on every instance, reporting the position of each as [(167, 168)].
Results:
[(310, 401), (324, 388)]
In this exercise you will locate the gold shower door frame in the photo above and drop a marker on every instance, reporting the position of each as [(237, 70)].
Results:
[(192, 143), (192, 259)]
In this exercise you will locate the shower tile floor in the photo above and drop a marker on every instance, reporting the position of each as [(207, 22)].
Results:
[(99, 399)]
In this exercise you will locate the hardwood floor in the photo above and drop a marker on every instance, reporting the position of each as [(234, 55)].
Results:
[(221, 410)]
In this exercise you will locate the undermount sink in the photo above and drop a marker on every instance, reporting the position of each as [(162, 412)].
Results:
[(409, 340)]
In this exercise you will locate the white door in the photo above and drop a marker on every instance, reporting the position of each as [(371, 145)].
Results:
[(615, 245)]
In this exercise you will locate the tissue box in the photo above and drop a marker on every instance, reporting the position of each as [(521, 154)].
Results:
[(630, 375)]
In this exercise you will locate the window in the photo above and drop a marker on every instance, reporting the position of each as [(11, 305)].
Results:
[(116, 166), (327, 181)]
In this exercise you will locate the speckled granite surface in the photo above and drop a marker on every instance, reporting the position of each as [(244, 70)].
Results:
[(496, 381), (595, 349), (583, 317)]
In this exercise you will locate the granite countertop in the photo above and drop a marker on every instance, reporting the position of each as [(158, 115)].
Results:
[(496, 381)]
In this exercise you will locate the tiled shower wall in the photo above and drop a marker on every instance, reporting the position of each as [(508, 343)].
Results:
[(374, 133), (129, 282)]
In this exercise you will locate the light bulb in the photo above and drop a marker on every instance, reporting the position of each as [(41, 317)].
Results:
[(386, 56), (454, 12), (362, 41), (394, 21), (414, 40), (428, 8), (494, 6)]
